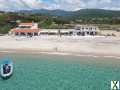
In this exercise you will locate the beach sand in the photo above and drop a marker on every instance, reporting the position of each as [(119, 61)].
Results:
[(65, 45)]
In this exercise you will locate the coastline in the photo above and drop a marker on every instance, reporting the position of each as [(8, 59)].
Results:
[(36, 52), (76, 46)]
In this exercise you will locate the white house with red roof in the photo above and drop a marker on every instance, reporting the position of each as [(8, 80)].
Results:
[(25, 29)]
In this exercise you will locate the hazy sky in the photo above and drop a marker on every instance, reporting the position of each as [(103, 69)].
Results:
[(69, 5)]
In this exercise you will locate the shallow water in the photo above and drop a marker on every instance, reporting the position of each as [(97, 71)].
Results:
[(54, 72)]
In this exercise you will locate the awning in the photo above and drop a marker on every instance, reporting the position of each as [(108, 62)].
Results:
[(26, 30)]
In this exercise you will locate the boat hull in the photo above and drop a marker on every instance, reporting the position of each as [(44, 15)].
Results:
[(8, 75)]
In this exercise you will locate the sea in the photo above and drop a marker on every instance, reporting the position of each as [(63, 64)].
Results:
[(60, 72)]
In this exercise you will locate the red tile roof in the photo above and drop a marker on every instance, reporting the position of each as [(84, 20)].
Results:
[(26, 24), (25, 30)]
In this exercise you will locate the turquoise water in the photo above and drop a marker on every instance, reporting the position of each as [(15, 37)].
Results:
[(50, 72)]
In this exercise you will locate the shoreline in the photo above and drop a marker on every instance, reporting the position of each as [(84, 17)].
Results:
[(76, 46), (94, 55)]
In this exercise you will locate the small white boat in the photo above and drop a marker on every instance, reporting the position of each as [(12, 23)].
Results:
[(6, 69)]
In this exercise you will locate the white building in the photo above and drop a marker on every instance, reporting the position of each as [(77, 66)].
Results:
[(55, 31), (25, 29), (85, 30)]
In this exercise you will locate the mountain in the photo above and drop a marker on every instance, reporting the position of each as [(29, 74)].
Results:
[(96, 13), (79, 13), (56, 12)]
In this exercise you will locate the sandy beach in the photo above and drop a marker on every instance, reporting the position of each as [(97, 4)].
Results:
[(73, 45)]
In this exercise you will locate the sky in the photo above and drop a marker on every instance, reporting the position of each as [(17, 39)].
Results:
[(68, 5)]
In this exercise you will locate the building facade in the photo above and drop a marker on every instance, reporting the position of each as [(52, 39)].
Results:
[(56, 32), (84, 30), (25, 29), (31, 29)]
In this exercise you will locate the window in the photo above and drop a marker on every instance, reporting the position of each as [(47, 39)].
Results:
[(90, 28)]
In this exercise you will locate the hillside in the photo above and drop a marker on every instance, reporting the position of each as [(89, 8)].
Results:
[(83, 16), (97, 13), (58, 18), (56, 12), (80, 13)]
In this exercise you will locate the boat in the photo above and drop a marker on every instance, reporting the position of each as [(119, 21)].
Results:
[(6, 69)]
